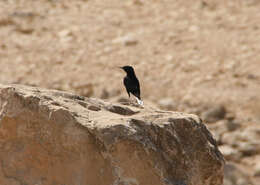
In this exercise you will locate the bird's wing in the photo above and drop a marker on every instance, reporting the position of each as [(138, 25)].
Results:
[(136, 90), (132, 86), (126, 83)]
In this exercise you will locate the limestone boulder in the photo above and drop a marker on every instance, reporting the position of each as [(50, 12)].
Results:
[(49, 137)]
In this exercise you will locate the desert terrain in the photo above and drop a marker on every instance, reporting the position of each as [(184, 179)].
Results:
[(198, 57)]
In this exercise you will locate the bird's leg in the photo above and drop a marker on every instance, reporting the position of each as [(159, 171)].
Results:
[(140, 102)]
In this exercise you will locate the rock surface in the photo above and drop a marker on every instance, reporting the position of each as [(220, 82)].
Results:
[(54, 137)]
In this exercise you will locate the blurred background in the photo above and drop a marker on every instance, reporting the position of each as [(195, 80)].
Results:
[(199, 57)]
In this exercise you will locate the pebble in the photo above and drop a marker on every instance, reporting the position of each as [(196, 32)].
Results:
[(231, 139), (257, 170), (127, 40), (233, 125), (94, 108), (230, 153), (167, 103), (234, 176), (248, 149), (214, 114)]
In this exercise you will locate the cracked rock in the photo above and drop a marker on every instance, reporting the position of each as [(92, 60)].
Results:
[(53, 137)]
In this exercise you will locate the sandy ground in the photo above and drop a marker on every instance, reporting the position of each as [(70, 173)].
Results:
[(197, 53)]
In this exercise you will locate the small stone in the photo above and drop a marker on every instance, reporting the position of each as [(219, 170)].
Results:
[(104, 94), (257, 170), (233, 125), (248, 149), (251, 77), (193, 28), (64, 33), (167, 103), (25, 30), (234, 176), (231, 139), (127, 40), (251, 134), (214, 113), (82, 103), (138, 2), (230, 116), (168, 57), (230, 153), (94, 108)]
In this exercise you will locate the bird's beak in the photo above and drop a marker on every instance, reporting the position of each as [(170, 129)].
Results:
[(120, 67)]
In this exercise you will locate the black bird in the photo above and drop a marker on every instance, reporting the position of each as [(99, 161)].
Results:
[(131, 82)]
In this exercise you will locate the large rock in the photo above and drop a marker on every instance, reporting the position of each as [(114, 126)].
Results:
[(51, 137)]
